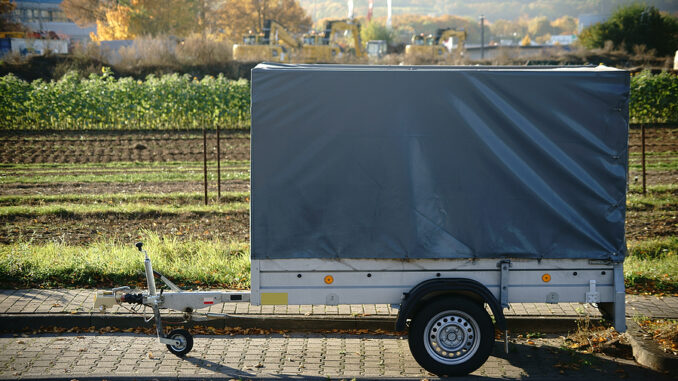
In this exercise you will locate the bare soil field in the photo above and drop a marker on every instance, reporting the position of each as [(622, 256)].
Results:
[(87, 148), (660, 139), (105, 147), (78, 230)]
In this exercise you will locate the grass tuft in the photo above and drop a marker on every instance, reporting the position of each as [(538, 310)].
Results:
[(105, 263), (652, 266)]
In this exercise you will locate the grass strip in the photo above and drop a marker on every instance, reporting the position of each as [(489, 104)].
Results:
[(190, 263), (652, 266), (160, 176), (671, 165), (656, 201), (138, 208), (153, 198), (638, 155), (654, 189)]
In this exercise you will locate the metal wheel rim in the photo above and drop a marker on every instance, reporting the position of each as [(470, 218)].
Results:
[(452, 337), (182, 341)]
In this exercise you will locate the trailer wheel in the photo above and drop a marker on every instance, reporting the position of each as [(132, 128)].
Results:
[(452, 336), (184, 338)]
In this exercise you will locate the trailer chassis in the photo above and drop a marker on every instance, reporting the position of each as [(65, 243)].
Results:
[(449, 330)]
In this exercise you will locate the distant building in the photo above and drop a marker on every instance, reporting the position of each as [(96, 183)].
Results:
[(563, 39), (511, 51), (47, 16)]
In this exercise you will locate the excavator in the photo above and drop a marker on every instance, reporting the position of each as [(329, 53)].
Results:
[(327, 46), (437, 46), (273, 44)]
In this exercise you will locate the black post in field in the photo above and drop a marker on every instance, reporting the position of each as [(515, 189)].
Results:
[(642, 158), (218, 163), (204, 158)]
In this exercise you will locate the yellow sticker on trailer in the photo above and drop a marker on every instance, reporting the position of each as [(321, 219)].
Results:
[(273, 298)]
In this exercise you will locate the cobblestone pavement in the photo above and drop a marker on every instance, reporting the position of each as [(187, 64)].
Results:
[(296, 354), (57, 301)]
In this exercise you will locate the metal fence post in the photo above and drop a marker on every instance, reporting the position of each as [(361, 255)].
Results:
[(218, 163), (204, 157), (642, 159)]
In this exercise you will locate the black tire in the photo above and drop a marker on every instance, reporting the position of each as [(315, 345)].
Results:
[(468, 342), (186, 342)]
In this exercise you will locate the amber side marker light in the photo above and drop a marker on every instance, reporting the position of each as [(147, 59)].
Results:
[(546, 278), (329, 279)]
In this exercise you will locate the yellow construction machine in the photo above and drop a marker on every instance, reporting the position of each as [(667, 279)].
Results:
[(273, 44), (437, 46), (12, 34), (340, 37)]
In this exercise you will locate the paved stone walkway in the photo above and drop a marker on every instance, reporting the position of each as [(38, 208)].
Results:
[(73, 356), (76, 301)]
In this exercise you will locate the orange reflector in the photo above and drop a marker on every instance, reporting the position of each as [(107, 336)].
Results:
[(546, 278), (329, 279)]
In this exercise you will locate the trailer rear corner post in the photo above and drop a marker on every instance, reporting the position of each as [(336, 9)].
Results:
[(615, 311)]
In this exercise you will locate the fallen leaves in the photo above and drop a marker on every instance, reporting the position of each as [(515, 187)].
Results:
[(663, 331), (595, 338), (202, 330)]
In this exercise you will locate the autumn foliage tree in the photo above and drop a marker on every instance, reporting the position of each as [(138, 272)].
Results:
[(236, 17), (129, 19), (7, 25)]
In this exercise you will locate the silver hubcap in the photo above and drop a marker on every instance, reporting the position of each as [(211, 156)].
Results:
[(452, 337), (182, 341)]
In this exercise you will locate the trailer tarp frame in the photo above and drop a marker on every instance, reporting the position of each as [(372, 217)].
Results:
[(440, 162)]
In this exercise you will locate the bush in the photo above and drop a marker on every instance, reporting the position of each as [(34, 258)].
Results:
[(654, 98), (635, 25), (103, 102), (376, 31), (181, 101)]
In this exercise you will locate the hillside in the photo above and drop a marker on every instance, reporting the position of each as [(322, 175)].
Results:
[(492, 9)]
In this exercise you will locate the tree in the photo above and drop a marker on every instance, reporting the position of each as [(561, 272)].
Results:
[(128, 19), (237, 17), (633, 26), (506, 28), (6, 24), (526, 41), (85, 12), (409, 25), (539, 26), (565, 25), (376, 31)]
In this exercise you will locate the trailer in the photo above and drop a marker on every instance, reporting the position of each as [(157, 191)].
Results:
[(444, 191)]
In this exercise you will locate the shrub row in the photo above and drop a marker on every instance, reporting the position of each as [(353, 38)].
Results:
[(103, 102), (654, 98), (182, 102)]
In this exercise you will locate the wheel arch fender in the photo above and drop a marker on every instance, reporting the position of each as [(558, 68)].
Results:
[(433, 288)]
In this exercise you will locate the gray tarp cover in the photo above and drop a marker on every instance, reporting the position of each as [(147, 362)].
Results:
[(438, 162)]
